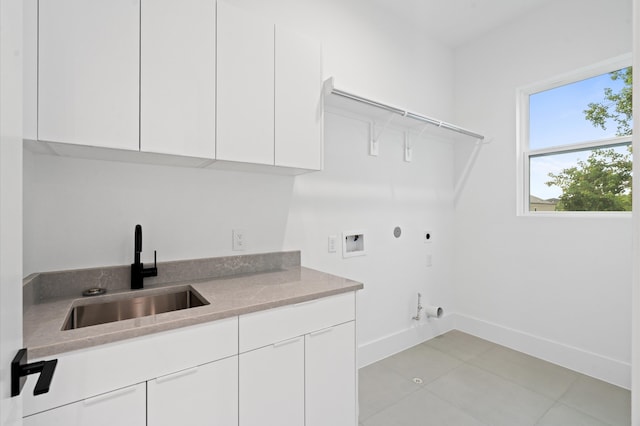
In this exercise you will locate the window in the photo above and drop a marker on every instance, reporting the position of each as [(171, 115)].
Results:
[(575, 141)]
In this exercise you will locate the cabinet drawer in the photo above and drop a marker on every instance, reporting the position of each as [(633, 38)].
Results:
[(93, 371), (274, 325), (120, 407)]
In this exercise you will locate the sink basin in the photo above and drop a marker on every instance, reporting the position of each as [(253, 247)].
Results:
[(132, 307)]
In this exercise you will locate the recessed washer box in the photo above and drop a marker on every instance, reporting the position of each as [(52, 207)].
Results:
[(353, 244)]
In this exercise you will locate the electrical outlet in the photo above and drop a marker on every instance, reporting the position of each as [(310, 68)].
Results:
[(427, 236), (429, 260), (239, 240), (333, 240)]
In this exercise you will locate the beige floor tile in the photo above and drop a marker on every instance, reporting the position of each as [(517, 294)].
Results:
[(379, 388), (422, 408), (540, 376), (460, 345), (561, 415), (490, 398), (471, 381), (422, 362), (608, 403)]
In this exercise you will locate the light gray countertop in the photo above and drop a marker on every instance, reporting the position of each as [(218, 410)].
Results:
[(227, 296)]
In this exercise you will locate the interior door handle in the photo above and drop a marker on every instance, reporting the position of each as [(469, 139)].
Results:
[(20, 370)]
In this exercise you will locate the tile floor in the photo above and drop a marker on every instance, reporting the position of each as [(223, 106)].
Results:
[(469, 381)]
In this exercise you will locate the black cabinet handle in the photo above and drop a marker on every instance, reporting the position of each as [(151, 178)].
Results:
[(44, 381), (20, 370)]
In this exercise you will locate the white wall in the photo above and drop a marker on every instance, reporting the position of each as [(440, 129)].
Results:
[(558, 288), (81, 213), (375, 194), (371, 52), (374, 54), (10, 204)]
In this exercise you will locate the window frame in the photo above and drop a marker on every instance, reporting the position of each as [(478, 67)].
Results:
[(523, 153)]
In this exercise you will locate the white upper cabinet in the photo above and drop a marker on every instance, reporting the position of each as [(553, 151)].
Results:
[(245, 83), (88, 72), (178, 83), (298, 101), (197, 79)]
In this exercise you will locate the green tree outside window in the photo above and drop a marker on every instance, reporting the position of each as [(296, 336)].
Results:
[(603, 181)]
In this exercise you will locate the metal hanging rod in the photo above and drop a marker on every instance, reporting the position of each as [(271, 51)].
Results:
[(329, 87)]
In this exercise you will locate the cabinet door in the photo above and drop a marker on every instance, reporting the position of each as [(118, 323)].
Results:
[(88, 72), (245, 73), (121, 407), (330, 384), (205, 395), (178, 68), (272, 385), (298, 101)]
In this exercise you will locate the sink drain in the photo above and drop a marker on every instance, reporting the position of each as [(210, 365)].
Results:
[(417, 380), (94, 291)]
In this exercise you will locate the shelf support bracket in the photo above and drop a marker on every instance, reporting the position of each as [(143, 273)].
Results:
[(375, 138), (467, 169), (408, 150)]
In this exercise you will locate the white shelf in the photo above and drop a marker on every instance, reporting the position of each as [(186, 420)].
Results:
[(392, 115), (337, 100)]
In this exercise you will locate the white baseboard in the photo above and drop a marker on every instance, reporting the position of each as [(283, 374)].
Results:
[(604, 368), (391, 344)]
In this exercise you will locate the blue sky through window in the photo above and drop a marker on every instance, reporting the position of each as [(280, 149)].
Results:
[(556, 117)]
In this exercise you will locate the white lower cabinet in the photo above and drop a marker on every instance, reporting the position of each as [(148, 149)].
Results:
[(289, 366), (306, 373), (272, 385), (203, 395), (107, 384), (330, 376), (119, 407)]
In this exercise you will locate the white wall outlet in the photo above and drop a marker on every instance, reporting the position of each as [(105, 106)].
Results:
[(333, 241), (429, 260), (427, 236), (239, 242)]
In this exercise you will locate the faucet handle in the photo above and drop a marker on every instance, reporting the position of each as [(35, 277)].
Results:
[(154, 259)]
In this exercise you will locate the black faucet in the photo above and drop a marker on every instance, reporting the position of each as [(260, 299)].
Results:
[(138, 271)]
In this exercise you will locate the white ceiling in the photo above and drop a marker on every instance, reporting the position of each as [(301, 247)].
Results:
[(455, 22)]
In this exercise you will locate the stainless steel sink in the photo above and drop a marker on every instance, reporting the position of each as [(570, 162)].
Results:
[(132, 307)]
